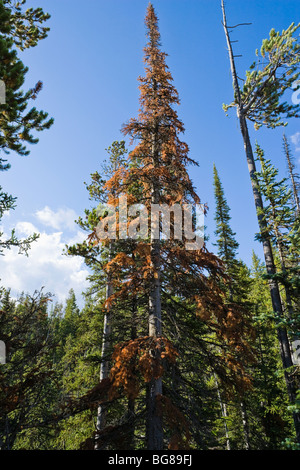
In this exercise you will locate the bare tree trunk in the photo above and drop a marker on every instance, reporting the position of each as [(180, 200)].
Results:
[(223, 413), (106, 345), (129, 442), (154, 426), (154, 422), (245, 425), (285, 351)]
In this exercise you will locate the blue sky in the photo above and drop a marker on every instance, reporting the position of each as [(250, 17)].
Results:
[(89, 66)]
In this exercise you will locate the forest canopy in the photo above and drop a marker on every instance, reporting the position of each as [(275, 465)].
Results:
[(177, 343)]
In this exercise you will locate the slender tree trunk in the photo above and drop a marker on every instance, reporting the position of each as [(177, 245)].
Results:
[(131, 401), (245, 425), (285, 351), (106, 345), (154, 420), (223, 413)]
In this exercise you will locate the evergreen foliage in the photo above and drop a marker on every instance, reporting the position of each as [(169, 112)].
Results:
[(173, 348)]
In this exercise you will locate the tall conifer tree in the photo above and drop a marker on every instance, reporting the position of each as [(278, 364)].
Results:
[(160, 268), (261, 101), (280, 220), (165, 180), (293, 175), (226, 242), (238, 282)]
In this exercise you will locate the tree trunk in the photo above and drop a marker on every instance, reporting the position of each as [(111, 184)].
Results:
[(106, 345), (223, 413), (129, 442), (154, 389), (245, 425), (154, 429)]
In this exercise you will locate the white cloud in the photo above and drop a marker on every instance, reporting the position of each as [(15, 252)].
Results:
[(26, 228), (46, 265), (295, 138), (62, 218)]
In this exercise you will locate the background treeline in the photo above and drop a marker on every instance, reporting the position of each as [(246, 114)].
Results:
[(173, 348)]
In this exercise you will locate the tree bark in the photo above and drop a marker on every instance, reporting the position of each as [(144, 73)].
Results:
[(154, 429), (245, 425), (106, 345), (129, 442), (223, 413)]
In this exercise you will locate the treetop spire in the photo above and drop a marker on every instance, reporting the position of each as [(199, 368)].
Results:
[(151, 22)]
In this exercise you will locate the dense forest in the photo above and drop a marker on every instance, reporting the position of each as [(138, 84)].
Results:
[(176, 347)]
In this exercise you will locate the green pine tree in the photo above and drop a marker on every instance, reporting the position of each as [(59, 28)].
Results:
[(280, 219), (261, 100), (227, 245), (293, 175), (18, 121), (27, 379), (238, 273), (269, 400)]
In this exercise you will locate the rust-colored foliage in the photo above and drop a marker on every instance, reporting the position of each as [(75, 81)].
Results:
[(156, 172), (35, 91), (91, 400), (176, 422), (12, 396), (138, 358)]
